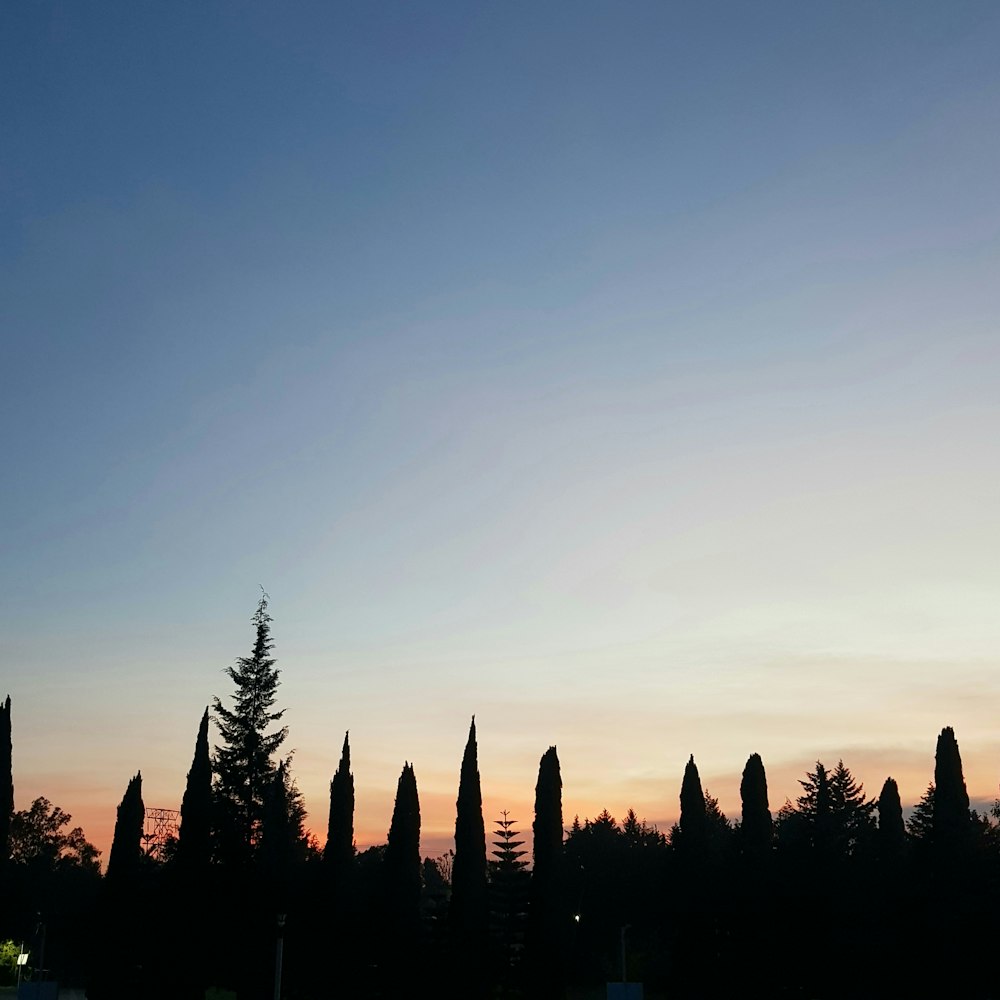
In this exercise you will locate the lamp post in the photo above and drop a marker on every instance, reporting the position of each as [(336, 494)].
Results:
[(278, 949)]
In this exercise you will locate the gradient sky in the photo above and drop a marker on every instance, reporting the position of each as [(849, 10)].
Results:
[(626, 374)]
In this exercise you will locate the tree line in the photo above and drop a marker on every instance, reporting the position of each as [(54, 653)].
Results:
[(831, 895)]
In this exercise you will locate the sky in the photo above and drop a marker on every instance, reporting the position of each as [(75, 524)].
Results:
[(624, 374)]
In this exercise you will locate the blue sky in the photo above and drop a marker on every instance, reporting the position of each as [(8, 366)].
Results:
[(623, 373)]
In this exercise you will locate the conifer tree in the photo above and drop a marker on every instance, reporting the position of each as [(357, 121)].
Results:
[(278, 835), (469, 904), (401, 863), (547, 916), (339, 850), (195, 834), (891, 831), (756, 828), (851, 813), (693, 822), (814, 807), (244, 765), (125, 858), (951, 823), (6, 780), (920, 825), (547, 828)]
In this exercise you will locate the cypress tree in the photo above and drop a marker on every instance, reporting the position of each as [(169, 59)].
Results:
[(547, 828), (951, 823), (756, 828), (6, 780), (891, 831), (277, 835), (339, 850), (469, 903), (402, 855), (548, 921), (693, 821), (194, 836), (125, 858)]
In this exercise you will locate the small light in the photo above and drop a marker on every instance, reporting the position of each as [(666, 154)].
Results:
[(576, 917)]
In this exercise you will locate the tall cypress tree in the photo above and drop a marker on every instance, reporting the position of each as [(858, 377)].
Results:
[(339, 850), (951, 824), (548, 920), (756, 828), (469, 905), (891, 831), (6, 780), (125, 858), (244, 764), (693, 821), (195, 834), (402, 856)]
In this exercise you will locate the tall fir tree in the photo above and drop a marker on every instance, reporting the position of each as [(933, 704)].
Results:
[(757, 827), (194, 840), (401, 863), (244, 764), (125, 859), (920, 824), (814, 808), (339, 850), (951, 823), (693, 822), (469, 904), (852, 822), (6, 780), (891, 831)]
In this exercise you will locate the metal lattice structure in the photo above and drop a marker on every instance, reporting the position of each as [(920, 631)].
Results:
[(161, 825)]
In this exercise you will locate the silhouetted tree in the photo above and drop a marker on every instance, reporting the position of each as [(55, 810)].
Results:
[(951, 823), (547, 916), (125, 858), (37, 839), (851, 813), (278, 838), (339, 850), (920, 825), (693, 824), (469, 913), (243, 765), (6, 780), (756, 828), (401, 863), (891, 830), (194, 841)]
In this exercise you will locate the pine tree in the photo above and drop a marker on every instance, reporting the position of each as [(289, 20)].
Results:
[(194, 842), (920, 825), (756, 829), (469, 904), (851, 813), (339, 850), (125, 858), (891, 831), (401, 864), (814, 808), (951, 825), (508, 857), (244, 765), (6, 780), (693, 824)]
